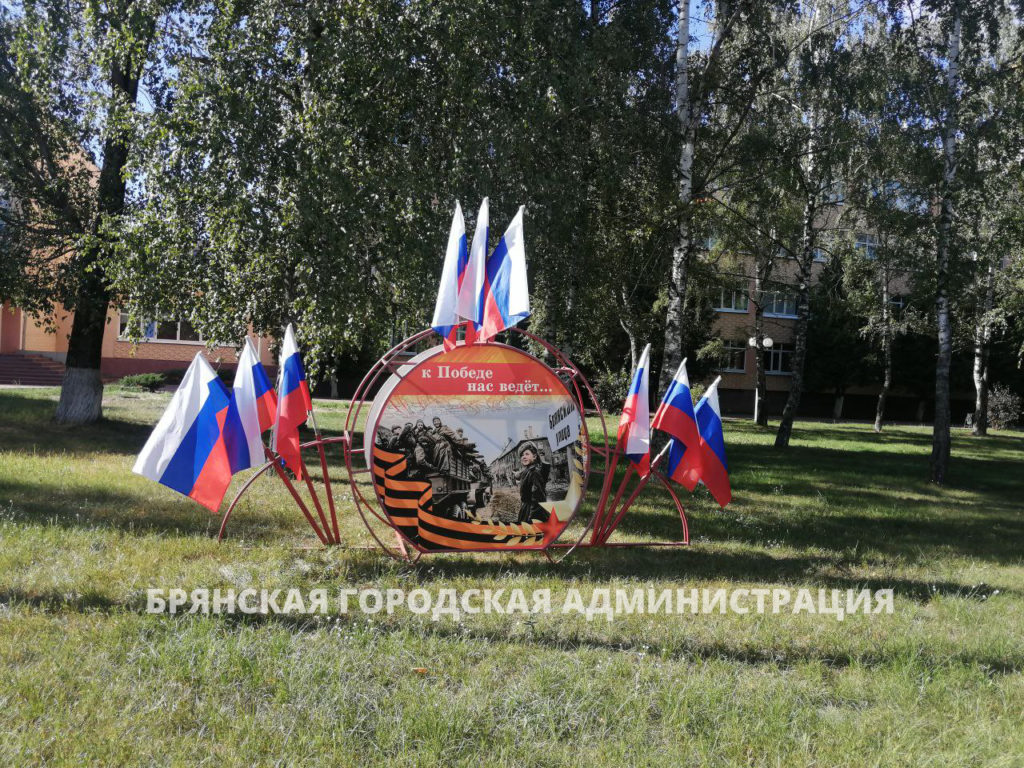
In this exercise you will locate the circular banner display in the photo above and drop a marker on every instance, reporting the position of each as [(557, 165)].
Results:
[(479, 448)]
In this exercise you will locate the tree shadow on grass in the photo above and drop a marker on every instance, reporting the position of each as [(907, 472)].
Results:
[(677, 567), (823, 502), (54, 601), (68, 507), (27, 425), (784, 657), (682, 647)]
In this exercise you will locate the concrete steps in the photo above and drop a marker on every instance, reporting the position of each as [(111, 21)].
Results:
[(30, 370)]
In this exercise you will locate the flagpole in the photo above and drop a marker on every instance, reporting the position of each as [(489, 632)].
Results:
[(276, 461), (610, 528), (611, 464), (327, 478), (315, 497), (663, 452)]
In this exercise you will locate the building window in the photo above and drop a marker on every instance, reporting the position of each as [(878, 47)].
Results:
[(780, 304), (732, 299), (898, 302), (779, 359), (734, 357), (163, 330), (820, 255), (835, 193), (867, 245)]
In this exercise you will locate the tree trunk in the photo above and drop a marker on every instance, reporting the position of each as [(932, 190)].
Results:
[(981, 351), (803, 314), (760, 384), (886, 352), (941, 428), (628, 327), (837, 406), (886, 382), (922, 405), (81, 393), (633, 346), (673, 351)]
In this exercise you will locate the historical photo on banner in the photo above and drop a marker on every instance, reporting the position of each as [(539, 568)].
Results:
[(482, 447)]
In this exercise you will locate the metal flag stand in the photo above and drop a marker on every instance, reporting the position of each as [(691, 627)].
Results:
[(612, 504)]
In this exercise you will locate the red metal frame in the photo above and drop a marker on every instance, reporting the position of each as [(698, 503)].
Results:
[(601, 525)]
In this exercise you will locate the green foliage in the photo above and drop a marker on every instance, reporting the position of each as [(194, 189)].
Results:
[(839, 356), (61, 123), (1005, 407), (321, 191), (611, 388), (150, 382)]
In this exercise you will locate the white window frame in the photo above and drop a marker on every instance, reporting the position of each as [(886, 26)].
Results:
[(774, 300), (152, 339), (776, 352), (733, 292), (867, 245), (729, 347)]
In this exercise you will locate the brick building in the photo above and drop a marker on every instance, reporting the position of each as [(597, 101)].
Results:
[(31, 354), (735, 311)]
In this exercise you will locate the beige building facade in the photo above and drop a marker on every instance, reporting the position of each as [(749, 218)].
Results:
[(168, 345)]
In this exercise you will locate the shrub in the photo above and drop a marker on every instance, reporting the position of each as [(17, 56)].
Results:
[(1004, 407), (174, 375), (150, 382), (611, 388)]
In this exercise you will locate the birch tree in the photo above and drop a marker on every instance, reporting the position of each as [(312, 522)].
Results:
[(950, 50), (71, 74)]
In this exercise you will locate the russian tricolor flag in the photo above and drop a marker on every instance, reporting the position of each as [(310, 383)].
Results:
[(293, 404), (471, 279), (675, 417), (256, 402), (714, 468), (506, 295), (453, 275), (198, 440), (634, 438)]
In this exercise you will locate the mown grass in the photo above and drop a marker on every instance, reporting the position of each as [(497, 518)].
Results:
[(90, 678)]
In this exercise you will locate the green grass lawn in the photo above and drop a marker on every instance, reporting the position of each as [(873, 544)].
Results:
[(89, 678)]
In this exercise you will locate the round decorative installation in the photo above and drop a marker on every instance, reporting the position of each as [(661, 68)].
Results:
[(479, 448)]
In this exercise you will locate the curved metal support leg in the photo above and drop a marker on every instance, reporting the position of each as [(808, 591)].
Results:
[(610, 528), (234, 501), (679, 505)]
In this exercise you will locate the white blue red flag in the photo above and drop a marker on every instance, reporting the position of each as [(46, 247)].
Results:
[(506, 294), (714, 468), (256, 402), (456, 258), (293, 404), (198, 439), (471, 280), (634, 436), (675, 417)]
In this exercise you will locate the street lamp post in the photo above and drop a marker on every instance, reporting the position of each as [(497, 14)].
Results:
[(766, 342)]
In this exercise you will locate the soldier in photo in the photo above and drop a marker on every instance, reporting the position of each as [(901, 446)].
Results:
[(424, 454), (532, 486), (436, 450), (445, 431), (389, 439)]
